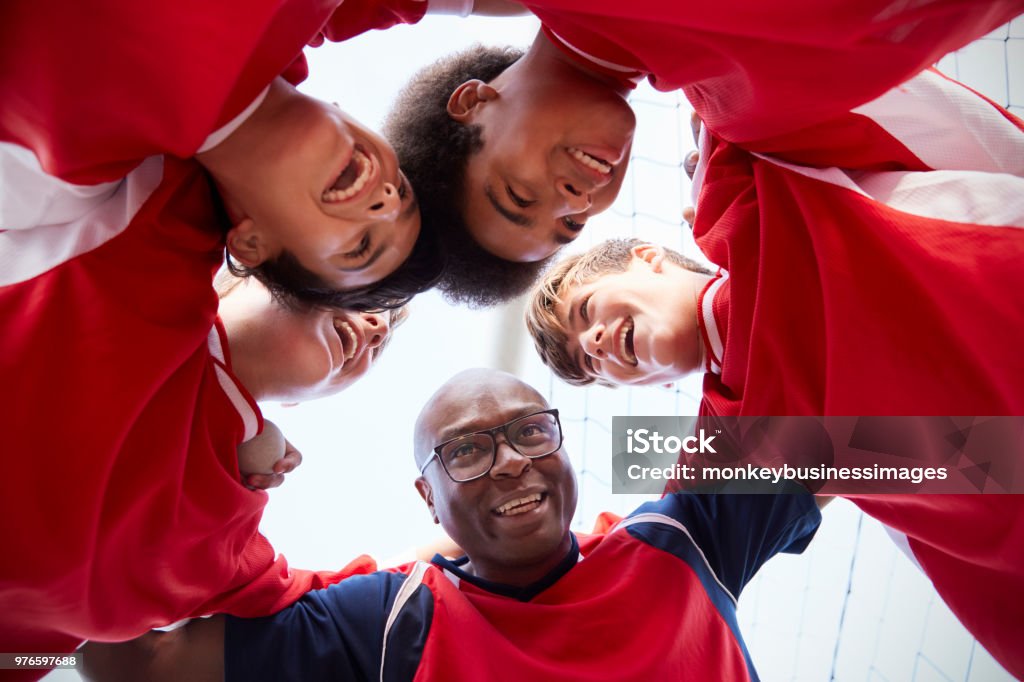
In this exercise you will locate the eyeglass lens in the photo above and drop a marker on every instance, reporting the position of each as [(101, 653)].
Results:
[(471, 455)]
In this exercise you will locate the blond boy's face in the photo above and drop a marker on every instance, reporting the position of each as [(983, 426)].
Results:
[(637, 327)]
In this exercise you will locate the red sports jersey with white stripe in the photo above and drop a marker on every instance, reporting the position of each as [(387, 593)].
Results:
[(123, 509), (875, 292)]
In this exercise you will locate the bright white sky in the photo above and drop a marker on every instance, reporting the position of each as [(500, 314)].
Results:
[(354, 492)]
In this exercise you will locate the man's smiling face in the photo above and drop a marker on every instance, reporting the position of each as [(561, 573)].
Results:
[(514, 521)]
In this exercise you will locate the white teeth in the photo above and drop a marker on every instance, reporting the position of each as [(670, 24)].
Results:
[(507, 508), (590, 162), (365, 168), (343, 326), (623, 333)]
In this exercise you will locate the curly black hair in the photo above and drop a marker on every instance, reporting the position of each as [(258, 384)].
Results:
[(433, 150)]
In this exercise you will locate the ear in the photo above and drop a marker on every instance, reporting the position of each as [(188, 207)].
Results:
[(427, 493), (463, 103), (247, 244), (652, 254)]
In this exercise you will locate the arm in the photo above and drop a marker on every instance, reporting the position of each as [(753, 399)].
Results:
[(929, 122), (86, 101), (737, 533), (194, 652), (776, 76), (331, 634)]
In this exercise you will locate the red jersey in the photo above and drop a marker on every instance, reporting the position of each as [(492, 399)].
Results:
[(124, 509), (757, 72), (115, 82), (884, 292)]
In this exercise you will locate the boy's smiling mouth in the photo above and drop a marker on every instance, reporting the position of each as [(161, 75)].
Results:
[(624, 342), (600, 165), (353, 178), (349, 338)]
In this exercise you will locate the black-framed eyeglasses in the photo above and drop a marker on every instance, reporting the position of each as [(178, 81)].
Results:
[(472, 455)]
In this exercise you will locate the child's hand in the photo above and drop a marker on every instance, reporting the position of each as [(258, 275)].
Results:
[(264, 460), (689, 166), (291, 459)]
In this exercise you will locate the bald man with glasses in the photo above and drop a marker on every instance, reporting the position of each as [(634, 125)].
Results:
[(652, 597)]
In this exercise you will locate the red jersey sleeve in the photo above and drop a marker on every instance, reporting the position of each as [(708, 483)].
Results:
[(94, 88), (358, 16)]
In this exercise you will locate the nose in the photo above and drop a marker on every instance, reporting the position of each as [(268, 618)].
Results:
[(576, 200), (385, 203), (594, 340), (375, 328), (507, 462)]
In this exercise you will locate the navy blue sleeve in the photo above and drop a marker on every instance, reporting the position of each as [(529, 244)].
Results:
[(738, 533), (330, 634)]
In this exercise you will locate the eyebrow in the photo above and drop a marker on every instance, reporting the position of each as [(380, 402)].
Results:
[(579, 348), (453, 431), (411, 208), (511, 216)]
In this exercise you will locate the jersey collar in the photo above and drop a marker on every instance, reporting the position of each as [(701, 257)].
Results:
[(526, 593)]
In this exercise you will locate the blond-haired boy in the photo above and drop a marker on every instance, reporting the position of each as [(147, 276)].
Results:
[(624, 312)]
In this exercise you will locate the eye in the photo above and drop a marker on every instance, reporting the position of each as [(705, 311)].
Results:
[(364, 246), (516, 199), (572, 224), (462, 451), (584, 315)]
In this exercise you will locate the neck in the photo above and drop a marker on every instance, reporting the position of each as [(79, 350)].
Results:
[(520, 574), (546, 60), (233, 155), (243, 335)]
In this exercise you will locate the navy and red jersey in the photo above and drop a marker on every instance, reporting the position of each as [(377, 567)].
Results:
[(653, 598)]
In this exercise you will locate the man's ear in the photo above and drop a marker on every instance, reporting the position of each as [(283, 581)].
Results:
[(652, 254), (463, 103), (247, 244), (427, 493)]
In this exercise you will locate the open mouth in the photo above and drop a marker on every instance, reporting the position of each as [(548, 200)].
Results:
[(520, 506), (349, 338), (625, 342), (598, 164), (352, 179)]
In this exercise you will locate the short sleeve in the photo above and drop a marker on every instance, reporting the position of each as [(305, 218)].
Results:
[(330, 634), (355, 17), (738, 533)]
